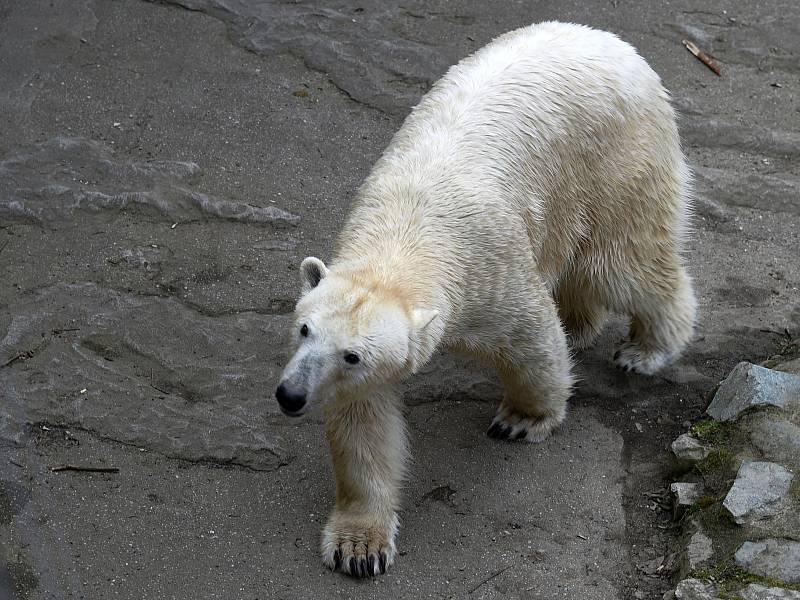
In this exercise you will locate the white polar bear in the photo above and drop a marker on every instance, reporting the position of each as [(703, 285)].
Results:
[(539, 185)]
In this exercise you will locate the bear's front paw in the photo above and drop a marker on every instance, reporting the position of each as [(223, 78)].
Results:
[(509, 424), (632, 357), (359, 544)]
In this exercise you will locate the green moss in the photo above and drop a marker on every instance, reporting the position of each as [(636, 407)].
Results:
[(706, 501), (731, 578), (719, 459), (709, 431)]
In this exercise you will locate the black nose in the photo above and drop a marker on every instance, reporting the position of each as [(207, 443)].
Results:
[(291, 400)]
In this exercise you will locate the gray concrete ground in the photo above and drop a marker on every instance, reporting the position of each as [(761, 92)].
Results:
[(163, 170)]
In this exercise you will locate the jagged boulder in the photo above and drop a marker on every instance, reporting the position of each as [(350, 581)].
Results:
[(777, 558), (758, 491), (750, 386)]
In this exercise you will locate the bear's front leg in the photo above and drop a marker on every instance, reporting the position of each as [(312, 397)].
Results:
[(368, 447)]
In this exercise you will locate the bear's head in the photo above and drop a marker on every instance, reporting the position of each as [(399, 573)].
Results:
[(351, 332)]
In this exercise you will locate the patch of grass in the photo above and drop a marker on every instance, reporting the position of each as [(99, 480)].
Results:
[(708, 431), (730, 578), (706, 501), (719, 459)]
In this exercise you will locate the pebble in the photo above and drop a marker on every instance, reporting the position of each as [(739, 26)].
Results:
[(688, 448), (694, 589), (699, 551), (686, 494)]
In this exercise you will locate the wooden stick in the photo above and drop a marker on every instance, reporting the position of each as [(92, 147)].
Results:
[(489, 578), (81, 469), (703, 57), (13, 359)]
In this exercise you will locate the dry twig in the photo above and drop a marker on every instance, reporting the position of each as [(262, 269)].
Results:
[(490, 577), (703, 57)]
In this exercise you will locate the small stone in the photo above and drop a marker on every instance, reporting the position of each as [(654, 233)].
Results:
[(685, 447), (686, 494), (757, 491), (748, 386), (771, 558), (699, 551), (694, 589), (759, 592)]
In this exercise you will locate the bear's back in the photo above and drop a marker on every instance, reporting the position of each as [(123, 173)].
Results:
[(551, 131)]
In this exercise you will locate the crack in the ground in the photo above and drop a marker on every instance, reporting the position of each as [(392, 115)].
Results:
[(283, 461)]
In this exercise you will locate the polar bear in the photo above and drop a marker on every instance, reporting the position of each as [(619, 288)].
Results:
[(539, 185)]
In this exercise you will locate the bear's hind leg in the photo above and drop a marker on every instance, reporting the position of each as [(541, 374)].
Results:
[(580, 311), (662, 320), (536, 374)]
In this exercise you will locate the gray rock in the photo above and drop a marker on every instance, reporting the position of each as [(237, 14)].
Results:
[(759, 592), (685, 447), (695, 589), (686, 494), (777, 439), (699, 551), (749, 386), (757, 491), (771, 558)]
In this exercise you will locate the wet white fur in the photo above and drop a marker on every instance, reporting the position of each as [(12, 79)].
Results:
[(538, 186)]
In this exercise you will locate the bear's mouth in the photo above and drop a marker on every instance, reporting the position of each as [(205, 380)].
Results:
[(293, 413)]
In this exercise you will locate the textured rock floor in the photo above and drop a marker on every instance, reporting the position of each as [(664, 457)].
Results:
[(162, 173)]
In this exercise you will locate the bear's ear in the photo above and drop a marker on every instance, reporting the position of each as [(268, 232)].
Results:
[(422, 317), (312, 271)]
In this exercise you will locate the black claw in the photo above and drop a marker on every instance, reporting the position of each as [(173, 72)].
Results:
[(373, 565), (499, 431), (382, 562), (362, 567), (337, 559), (521, 434), (353, 566)]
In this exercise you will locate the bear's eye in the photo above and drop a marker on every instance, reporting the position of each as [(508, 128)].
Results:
[(351, 358), (304, 330)]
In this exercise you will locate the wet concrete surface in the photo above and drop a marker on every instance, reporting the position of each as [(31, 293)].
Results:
[(164, 167)]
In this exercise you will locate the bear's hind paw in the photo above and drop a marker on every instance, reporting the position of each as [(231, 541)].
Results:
[(528, 429), (631, 357)]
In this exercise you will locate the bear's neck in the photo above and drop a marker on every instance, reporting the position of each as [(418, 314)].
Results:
[(392, 245)]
